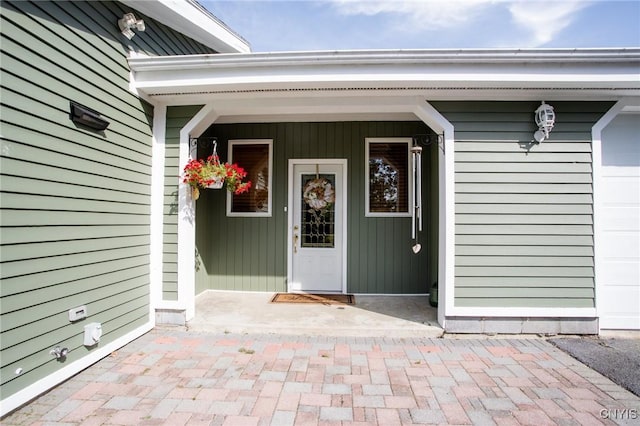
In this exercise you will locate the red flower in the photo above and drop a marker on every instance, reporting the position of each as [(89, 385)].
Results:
[(243, 187)]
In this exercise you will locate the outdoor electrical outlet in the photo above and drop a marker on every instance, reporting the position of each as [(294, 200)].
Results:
[(76, 314), (92, 333)]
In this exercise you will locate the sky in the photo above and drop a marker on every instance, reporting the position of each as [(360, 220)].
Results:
[(294, 25)]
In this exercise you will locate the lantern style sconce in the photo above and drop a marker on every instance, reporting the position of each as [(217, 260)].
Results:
[(128, 22), (545, 119)]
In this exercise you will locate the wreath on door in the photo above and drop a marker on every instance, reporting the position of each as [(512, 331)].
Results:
[(318, 193)]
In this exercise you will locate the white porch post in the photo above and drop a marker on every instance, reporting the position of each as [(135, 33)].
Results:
[(187, 214), (446, 202), (157, 204)]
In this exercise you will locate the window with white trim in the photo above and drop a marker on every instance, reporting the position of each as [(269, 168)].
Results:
[(388, 178), (255, 156)]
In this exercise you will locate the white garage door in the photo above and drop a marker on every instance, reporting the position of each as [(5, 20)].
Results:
[(618, 274)]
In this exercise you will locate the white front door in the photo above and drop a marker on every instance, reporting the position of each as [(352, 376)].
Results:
[(317, 226)]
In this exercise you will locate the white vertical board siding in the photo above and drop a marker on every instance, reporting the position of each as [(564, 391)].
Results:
[(619, 239), (524, 211)]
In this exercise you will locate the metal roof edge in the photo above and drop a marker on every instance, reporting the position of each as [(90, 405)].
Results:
[(380, 57)]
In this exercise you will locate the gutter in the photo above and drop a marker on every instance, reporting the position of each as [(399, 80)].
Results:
[(533, 73), (395, 57)]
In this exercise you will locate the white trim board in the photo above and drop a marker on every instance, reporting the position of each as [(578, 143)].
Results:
[(626, 106), (239, 142), (156, 216), (410, 191)]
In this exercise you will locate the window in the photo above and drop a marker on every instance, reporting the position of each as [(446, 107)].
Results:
[(388, 177), (255, 156)]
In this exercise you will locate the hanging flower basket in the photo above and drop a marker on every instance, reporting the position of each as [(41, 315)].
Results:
[(216, 184), (210, 173)]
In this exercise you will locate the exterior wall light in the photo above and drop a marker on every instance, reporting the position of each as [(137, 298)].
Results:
[(86, 117), (128, 22), (545, 119)]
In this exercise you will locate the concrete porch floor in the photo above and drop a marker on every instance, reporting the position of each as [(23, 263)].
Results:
[(371, 316)]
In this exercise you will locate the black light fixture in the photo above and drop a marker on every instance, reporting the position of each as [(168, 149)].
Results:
[(86, 117)]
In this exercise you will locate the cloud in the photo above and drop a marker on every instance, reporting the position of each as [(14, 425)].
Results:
[(431, 14), (540, 20), (545, 20)]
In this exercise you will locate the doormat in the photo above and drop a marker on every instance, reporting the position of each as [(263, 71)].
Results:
[(325, 299)]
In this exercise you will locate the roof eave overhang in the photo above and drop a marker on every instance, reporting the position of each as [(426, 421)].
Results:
[(191, 19), (335, 77)]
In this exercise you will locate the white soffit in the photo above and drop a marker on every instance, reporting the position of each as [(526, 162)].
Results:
[(193, 20)]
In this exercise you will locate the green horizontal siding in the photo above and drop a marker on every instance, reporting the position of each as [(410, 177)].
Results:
[(529, 251), (505, 178), (546, 300), (74, 202), (508, 146), (482, 240), (529, 209), (492, 270), (508, 198), (523, 167), (512, 218), (507, 157), (524, 212)]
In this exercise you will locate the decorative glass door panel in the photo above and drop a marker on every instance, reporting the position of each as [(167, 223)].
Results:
[(316, 226), (317, 211)]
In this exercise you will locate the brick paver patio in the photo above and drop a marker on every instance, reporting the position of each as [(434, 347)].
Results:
[(175, 377)]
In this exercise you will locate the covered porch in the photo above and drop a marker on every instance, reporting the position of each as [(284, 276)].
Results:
[(370, 316), (336, 127), (488, 95)]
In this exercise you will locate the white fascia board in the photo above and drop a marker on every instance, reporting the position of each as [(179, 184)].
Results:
[(543, 59), (191, 19), (475, 57), (188, 80), (610, 72)]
